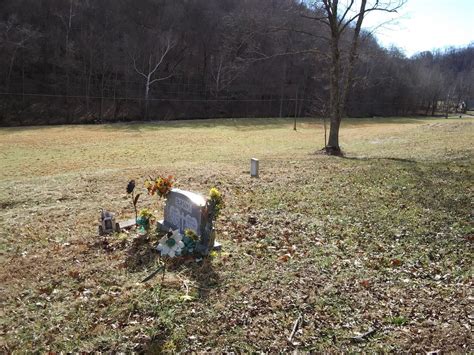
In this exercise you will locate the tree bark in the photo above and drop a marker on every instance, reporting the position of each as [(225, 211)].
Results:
[(332, 146)]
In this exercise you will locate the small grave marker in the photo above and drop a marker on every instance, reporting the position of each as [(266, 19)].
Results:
[(107, 223), (254, 167)]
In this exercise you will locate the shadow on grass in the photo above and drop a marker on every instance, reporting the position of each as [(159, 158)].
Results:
[(243, 124), (205, 279), (400, 160), (202, 273), (152, 125), (142, 254), (157, 342), (248, 124), (432, 185)]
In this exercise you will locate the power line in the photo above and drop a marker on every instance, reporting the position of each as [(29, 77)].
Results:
[(150, 99), (285, 98)]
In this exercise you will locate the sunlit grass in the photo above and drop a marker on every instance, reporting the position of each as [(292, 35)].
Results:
[(381, 238)]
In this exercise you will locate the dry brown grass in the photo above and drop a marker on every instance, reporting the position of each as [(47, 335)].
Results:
[(382, 239)]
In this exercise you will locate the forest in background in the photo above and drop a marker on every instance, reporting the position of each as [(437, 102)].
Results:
[(70, 61)]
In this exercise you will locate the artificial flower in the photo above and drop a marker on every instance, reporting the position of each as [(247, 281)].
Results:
[(214, 194), (145, 213), (130, 186), (191, 234), (216, 201), (148, 184), (171, 244), (160, 185)]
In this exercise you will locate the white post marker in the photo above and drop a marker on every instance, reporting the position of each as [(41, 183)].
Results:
[(254, 167)]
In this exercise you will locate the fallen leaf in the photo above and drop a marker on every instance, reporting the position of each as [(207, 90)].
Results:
[(284, 258), (396, 262)]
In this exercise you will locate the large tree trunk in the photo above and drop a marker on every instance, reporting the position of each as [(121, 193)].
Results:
[(332, 146), (341, 81), (147, 95)]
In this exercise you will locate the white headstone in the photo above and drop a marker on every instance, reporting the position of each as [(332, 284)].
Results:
[(254, 167)]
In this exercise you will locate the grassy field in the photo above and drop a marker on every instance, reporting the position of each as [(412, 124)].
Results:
[(379, 240)]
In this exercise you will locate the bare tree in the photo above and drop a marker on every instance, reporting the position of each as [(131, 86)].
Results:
[(235, 41), (14, 37), (224, 72), (151, 62), (340, 18), (66, 20), (66, 16)]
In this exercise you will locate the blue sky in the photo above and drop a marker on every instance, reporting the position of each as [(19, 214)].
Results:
[(425, 25)]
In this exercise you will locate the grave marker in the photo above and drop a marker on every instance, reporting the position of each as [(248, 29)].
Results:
[(254, 167), (188, 210), (107, 223), (183, 210)]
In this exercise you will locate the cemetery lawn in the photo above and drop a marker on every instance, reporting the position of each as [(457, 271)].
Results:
[(378, 242)]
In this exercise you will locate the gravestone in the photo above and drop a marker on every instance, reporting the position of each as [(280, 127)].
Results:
[(188, 210), (107, 223), (183, 210), (254, 167)]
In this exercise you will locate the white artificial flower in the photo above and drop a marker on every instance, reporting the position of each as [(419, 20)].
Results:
[(171, 245)]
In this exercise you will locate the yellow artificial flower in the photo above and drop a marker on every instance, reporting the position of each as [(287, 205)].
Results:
[(148, 184), (145, 213), (215, 194), (190, 234)]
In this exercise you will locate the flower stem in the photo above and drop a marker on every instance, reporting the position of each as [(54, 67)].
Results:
[(134, 207), (162, 280)]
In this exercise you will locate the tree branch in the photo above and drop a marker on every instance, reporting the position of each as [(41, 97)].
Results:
[(348, 8), (136, 68), (169, 46), (375, 7), (265, 57), (276, 29), (161, 79), (319, 19)]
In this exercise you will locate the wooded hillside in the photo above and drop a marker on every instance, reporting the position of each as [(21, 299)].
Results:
[(70, 61)]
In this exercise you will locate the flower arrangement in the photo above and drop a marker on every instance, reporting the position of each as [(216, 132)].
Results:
[(171, 244), (160, 186), (146, 213), (190, 239), (143, 221), (189, 233), (216, 199), (174, 243)]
